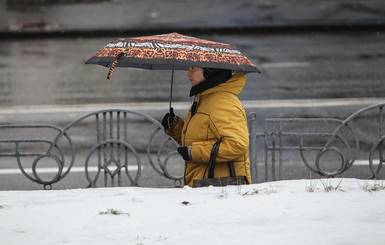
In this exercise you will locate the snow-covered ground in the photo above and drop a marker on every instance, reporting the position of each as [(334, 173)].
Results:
[(338, 211)]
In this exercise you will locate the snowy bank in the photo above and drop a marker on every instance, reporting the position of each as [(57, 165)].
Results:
[(333, 211)]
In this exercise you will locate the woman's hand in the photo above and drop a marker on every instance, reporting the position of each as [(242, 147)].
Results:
[(169, 121), (185, 152)]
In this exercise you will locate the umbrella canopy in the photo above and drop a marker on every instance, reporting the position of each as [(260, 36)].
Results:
[(171, 51)]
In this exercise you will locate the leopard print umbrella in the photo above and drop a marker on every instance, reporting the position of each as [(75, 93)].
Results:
[(171, 51)]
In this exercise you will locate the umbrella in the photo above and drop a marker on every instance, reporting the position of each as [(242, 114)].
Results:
[(171, 51)]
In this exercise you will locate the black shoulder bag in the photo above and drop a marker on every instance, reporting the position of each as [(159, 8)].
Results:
[(222, 181)]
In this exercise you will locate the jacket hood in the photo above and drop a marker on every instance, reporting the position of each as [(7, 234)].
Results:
[(234, 85)]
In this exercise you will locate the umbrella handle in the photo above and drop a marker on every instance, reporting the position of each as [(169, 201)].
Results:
[(112, 68), (171, 117)]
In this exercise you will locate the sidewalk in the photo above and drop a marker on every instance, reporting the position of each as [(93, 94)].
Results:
[(87, 18)]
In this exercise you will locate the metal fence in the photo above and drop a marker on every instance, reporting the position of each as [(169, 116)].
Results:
[(327, 147), (114, 139)]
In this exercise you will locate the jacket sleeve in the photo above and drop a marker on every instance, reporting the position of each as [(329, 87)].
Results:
[(228, 123)]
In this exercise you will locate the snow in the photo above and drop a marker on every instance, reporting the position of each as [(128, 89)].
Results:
[(282, 212)]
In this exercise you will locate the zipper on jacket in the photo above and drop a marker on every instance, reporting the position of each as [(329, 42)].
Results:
[(196, 99)]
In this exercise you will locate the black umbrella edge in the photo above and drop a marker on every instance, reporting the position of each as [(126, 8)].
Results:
[(162, 64)]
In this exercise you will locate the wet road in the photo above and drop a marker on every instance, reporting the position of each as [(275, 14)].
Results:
[(294, 66)]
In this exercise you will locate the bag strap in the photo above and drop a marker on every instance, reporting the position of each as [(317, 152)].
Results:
[(213, 156), (232, 169)]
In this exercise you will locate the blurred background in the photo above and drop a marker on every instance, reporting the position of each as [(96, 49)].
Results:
[(309, 52), (305, 49)]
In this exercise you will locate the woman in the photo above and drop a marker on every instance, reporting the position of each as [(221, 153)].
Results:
[(216, 115)]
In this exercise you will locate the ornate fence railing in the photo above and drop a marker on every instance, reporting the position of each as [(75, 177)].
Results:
[(333, 145), (113, 145), (16, 149), (113, 139)]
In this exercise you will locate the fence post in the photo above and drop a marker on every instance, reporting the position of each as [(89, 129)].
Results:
[(253, 146)]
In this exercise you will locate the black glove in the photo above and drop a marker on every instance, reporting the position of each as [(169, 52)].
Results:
[(165, 121), (168, 120), (183, 151)]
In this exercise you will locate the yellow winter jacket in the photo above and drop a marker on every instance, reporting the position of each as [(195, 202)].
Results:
[(219, 116)]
